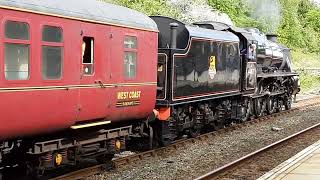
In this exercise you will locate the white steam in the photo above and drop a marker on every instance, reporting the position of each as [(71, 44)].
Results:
[(317, 2), (267, 12), (199, 10)]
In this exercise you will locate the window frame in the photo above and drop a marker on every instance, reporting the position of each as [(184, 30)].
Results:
[(6, 40), (52, 44), (93, 39), (165, 63), (134, 50)]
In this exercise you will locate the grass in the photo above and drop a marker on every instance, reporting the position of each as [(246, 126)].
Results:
[(302, 60), (309, 82)]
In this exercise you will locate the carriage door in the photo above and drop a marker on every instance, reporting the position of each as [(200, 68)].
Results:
[(93, 92)]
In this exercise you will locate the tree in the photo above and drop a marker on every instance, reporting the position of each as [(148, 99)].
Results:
[(239, 12), (149, 7), (312, 19)]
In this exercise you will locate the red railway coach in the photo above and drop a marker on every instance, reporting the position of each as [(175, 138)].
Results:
[(74, 65)]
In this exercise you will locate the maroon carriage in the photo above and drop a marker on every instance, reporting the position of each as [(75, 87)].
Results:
[(70, 66)]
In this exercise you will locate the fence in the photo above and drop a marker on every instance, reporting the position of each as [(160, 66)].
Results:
[(314, 71)]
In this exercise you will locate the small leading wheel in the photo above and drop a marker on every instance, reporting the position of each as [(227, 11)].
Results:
[(245, 111), (194, 132), (258, 107), (288, 103), (278, 105), (271, 105), (217, 125)]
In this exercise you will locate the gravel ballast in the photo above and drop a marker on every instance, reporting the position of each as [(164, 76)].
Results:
[(204, 156), (266, 161)]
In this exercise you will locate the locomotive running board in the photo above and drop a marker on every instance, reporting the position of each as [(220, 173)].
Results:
[(90, 125)]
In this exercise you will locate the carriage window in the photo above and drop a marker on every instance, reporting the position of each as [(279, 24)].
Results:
[(52, 34), (130, 56), (17, 52), (17, 30), (130, 62), (52, 52), (51, 62), (17, 61), (130, 42), (88, 55)]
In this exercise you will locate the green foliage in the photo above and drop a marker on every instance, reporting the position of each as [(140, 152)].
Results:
[(304, 7), (149, 7), (312, 19), (309, 82), (290, 31), (238, 11), (302, 59), (300, 26)]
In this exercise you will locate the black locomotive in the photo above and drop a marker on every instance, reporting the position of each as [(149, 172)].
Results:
[(211, 74)]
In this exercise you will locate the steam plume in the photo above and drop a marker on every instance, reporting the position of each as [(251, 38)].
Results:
[(267, 12)]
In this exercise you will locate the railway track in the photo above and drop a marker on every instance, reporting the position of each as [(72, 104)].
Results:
[(220, 172), (121, 162)]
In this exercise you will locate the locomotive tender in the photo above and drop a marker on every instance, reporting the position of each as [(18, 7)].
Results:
[(79, 79)]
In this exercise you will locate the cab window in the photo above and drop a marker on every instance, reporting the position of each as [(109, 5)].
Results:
[(52, 52), (17, 50), (130, 57)]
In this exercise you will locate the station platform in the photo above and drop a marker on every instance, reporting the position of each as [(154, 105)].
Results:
[(304, 165)]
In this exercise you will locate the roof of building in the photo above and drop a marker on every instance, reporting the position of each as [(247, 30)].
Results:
[(86, 10)]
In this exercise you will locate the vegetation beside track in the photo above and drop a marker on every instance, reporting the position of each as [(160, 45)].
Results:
[(298, 26), (310, 83)]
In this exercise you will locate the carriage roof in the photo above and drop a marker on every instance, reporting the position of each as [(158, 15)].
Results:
[(85, 10)]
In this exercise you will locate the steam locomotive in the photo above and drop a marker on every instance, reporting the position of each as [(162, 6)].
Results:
[(81, 79), (211, 74)]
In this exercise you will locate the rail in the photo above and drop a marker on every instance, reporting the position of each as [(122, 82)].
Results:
[(217, 172), (120, 162)]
